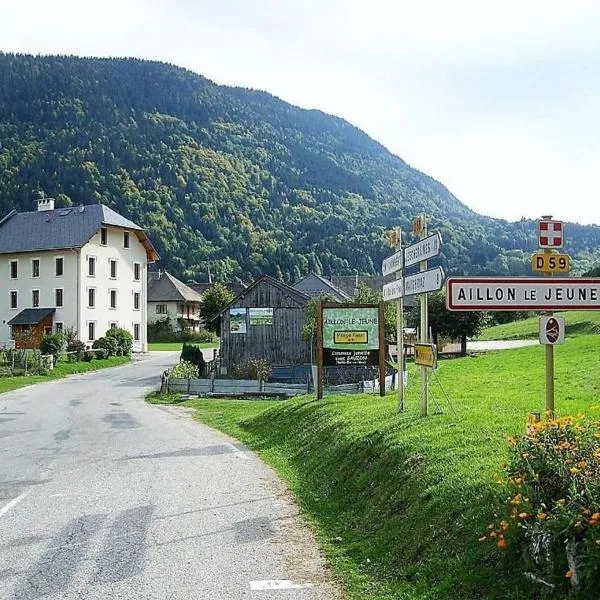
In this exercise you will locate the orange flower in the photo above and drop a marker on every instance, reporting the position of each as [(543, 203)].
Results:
[(523, 515), (502, 544), (569, 574), (541, 516), (562, 501), (596, 516)]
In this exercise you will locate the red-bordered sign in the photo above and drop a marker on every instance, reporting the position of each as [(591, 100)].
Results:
[(523, 293), (550, 234)]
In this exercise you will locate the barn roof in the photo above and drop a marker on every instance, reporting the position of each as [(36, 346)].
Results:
[(286, 289), (31, 316)]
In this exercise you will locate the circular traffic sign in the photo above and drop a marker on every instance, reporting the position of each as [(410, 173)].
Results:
[(552, 330)]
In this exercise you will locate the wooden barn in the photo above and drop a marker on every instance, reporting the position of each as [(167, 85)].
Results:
[(264, 321)]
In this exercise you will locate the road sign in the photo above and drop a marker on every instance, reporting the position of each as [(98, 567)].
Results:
[(423, 249), (552, 330), (550, 233), (424, 282), (393, 238), (393, 290), (418, 225), (523, 293), (392, 264), (551, 263), (426, 355)]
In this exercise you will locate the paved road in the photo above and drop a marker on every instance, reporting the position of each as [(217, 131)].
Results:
[(103, 496)]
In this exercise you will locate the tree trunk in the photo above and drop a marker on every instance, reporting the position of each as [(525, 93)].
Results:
[(463, 345)]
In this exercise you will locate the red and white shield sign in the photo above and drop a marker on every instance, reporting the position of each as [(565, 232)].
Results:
[(550, 234)]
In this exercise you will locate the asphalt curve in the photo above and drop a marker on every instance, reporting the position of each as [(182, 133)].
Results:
[(103, 497)]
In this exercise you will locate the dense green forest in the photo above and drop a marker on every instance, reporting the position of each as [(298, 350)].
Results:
[(231, 179)]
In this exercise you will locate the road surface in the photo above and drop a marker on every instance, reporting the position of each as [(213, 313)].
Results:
[(103, 497)]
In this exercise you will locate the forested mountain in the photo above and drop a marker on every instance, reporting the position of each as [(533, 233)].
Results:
[(229, 178)]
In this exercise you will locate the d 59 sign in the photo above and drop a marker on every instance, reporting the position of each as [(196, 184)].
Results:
[(551, 263)]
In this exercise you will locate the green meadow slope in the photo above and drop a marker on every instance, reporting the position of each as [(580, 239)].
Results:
[(398, 501), (577, 323)]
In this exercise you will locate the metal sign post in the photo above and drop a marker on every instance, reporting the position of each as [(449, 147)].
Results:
[(547, 239), (400, 330), (424, 323), (319, 320)]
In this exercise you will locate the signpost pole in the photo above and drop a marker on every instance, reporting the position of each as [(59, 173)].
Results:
[(424, 329), (400, 335), (319, 321), (381, 323), (549, 362)]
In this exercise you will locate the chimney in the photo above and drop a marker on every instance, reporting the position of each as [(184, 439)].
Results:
[(44, 204)]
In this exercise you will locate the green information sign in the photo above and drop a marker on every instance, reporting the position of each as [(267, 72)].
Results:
[(350, 336)]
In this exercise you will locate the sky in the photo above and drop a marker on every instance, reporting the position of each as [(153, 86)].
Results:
[(500, 101)]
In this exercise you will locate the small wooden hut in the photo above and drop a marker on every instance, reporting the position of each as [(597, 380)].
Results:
[(264, 321)]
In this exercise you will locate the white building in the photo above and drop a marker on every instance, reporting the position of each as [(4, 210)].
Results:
[(169, 297), (83, 268)]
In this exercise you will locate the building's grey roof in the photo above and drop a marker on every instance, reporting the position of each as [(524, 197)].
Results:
[(61, 228), (350, 283), (163, 287), (31, 316), (235, 286), (314, 285)]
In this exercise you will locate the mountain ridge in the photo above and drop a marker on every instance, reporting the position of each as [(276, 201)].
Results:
[(231, 178)]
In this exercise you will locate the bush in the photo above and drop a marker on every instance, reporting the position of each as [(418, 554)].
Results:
[(101, 353), (553, 516), (54, 345), (109, 344), (88, 356), (77, 348), (253, 368), (123, 339), (184, 370), (193, 354)]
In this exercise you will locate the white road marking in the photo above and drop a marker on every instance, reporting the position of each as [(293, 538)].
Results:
[(238, 452), (278, 584), (12, 503)]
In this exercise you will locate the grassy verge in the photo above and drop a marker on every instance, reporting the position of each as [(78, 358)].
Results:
[(400, 502), (577, 323), (176, 346), (61, 370)]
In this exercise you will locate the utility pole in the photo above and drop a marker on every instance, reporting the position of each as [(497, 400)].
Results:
[(400, 332)]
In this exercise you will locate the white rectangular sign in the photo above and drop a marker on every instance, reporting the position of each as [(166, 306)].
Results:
[(392, 264), (424, 282), (523, 293), (393, 290), (424, 249)]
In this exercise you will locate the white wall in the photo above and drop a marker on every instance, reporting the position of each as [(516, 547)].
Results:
[(172, 312), (102, 314), (47, 282)]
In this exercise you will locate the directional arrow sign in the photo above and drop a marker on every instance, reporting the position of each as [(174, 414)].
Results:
[(523, 293), (392, 264), (393, 290), (423, 282), (423, 249)]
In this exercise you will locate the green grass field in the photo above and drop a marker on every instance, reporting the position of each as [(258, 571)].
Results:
[(176, 346), (577, 323), (398, 501), (62, 369)]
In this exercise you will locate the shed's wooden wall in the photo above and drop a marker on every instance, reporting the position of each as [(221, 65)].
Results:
[(280, 343)]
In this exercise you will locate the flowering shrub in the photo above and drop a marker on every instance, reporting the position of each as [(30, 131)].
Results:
[(253, 368), (184, 370), (553, 517)]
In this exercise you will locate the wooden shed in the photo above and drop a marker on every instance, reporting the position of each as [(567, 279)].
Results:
[(264, 321)]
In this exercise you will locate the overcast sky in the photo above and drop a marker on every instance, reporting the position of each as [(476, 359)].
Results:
[(500, 101)]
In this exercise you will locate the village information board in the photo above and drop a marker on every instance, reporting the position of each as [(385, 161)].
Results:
[(350, 336)]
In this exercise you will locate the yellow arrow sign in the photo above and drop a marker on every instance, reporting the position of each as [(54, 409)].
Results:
[(551, 263)]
